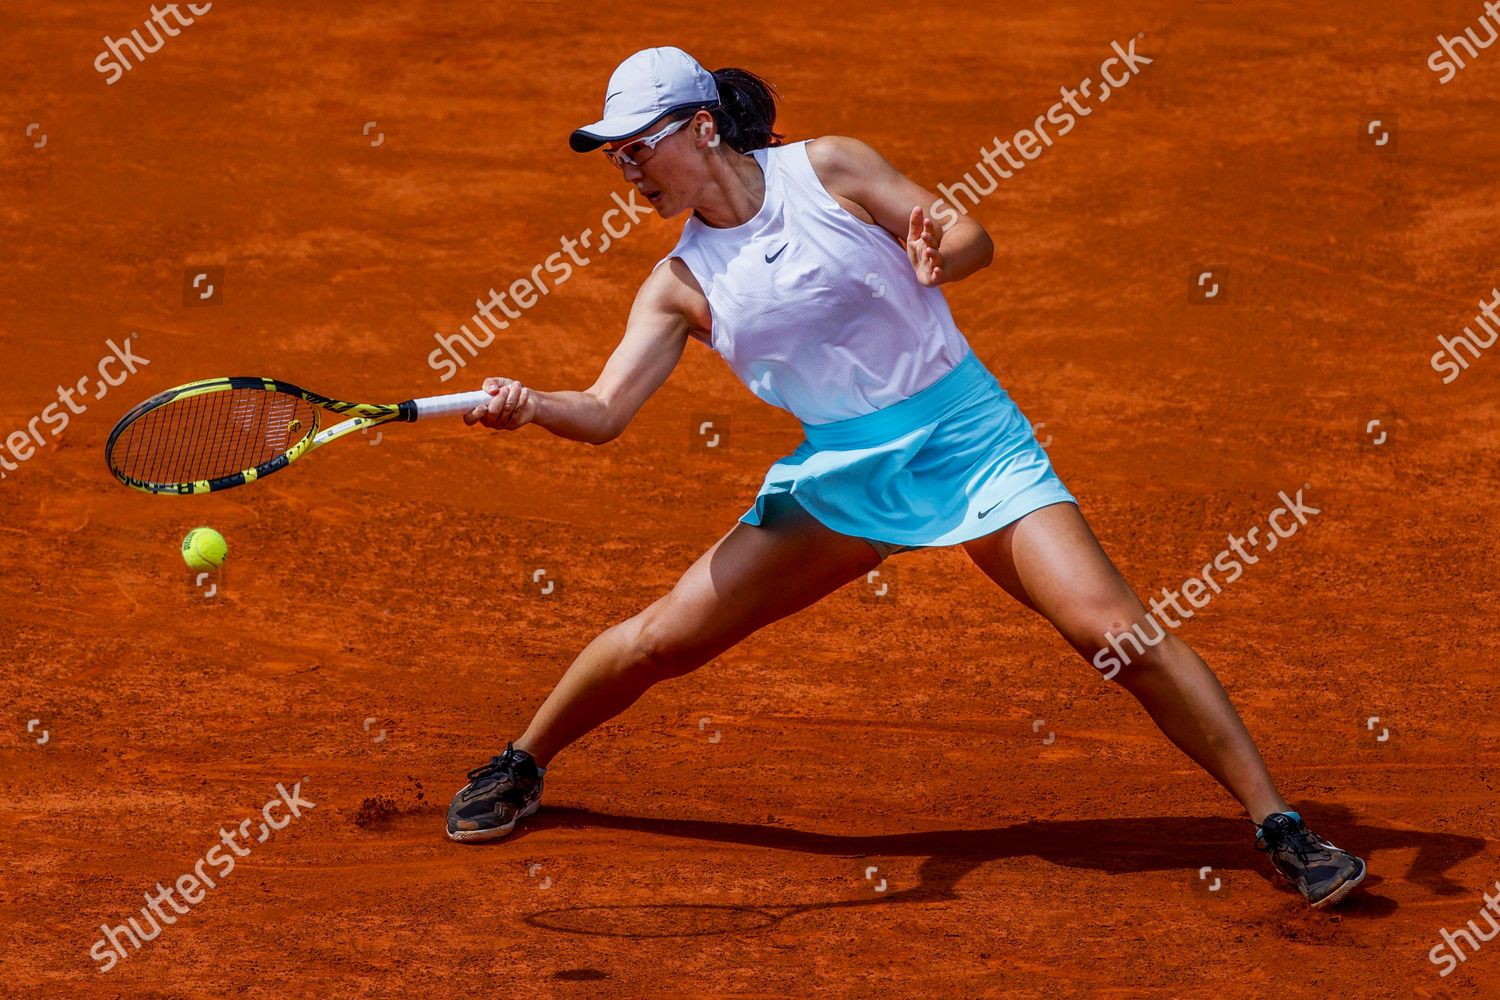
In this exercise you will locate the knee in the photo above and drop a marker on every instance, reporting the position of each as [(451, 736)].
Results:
[(658, 648), (1122, 641)]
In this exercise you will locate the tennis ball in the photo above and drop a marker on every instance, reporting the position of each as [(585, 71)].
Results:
[(204, 548)]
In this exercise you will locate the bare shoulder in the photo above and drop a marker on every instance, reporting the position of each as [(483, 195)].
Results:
[(672, 290), (855, 175), (838, 156)]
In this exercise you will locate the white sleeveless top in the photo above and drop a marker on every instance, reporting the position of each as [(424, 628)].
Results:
[(818, 312)]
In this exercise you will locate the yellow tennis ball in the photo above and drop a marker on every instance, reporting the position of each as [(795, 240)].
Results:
[(204, 548)]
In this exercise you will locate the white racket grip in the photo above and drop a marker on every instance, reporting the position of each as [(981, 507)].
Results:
[(442, 406)]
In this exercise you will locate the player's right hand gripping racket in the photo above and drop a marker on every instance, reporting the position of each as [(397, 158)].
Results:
[(222, 432)]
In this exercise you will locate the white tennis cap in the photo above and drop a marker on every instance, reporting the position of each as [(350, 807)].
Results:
[(644, 89)]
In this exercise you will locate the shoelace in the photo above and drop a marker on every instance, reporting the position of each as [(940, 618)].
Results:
[(503, 765), (1300, 839), (1306, 846)]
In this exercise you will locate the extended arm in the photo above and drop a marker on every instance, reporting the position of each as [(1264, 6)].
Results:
[(655, 335)]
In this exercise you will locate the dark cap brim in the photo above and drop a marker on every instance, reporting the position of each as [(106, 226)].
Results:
[(591, 137)]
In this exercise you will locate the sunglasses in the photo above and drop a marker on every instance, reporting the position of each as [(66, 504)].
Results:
[(635, 153)]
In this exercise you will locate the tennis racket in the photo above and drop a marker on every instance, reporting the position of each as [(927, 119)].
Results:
[(218, 433)]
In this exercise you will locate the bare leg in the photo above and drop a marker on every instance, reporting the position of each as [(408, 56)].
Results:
[(746, 580), (1051, 562)]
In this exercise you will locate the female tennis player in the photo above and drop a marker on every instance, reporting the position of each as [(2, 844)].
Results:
[(814, 269)]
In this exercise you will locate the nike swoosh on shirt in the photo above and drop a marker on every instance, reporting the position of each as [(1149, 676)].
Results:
[(771, 258)]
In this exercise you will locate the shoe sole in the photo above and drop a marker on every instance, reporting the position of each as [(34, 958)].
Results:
[(1343, 890), (479, 836)]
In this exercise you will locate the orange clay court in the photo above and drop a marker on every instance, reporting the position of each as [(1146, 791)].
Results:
[(1259, 266)]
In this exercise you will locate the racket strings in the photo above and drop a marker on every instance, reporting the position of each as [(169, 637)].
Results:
[(211, 435)]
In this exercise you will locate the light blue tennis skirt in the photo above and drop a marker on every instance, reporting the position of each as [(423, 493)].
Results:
[(952, 463)]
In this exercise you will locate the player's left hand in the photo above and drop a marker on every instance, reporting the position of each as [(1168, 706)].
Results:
[(922, 242)]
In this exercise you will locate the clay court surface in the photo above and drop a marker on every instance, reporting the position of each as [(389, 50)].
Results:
[(388, 587)]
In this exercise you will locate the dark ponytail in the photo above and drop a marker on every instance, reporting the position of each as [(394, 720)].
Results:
[(747, 110)]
